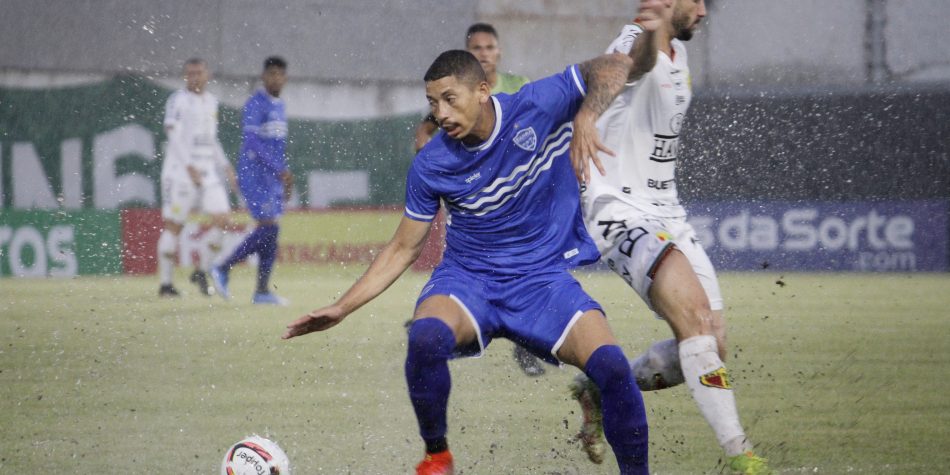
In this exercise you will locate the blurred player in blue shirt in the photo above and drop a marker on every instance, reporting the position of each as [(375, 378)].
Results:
[(501, 165), (264, 179)]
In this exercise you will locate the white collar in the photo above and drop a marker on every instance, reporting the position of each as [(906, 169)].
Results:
[(494, 133)]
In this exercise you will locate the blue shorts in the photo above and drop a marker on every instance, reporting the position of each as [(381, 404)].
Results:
[(263, 193), (536, 311)]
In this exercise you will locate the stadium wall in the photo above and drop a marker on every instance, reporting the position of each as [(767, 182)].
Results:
[(99, 147), (848, 107)]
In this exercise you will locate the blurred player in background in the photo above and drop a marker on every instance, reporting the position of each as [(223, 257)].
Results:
[(501, 166), (265, 181), (192, 175), (481, 40), (635, 217)]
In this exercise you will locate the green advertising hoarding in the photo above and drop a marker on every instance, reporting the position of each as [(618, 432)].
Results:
[(99, 146), (60, 244)]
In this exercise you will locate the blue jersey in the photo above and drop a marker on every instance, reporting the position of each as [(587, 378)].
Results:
[(513, 200), (264, 126)]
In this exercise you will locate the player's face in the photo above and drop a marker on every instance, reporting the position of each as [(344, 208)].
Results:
[(457, 105), (686, 17), (196, 77), (274, 79), (485, 48)]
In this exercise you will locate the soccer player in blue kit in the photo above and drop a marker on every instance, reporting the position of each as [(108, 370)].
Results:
[(501, 165), (264, 179)]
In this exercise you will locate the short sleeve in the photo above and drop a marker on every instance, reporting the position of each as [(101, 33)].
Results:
[(422, 203), (172, 111), (251, 119), (560, 96), (623, 43)]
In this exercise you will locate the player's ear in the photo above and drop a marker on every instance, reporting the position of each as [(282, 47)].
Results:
[(484, 92)]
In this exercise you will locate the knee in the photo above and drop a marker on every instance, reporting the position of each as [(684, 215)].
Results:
[(430, 338), (608, 365), (696, 319)]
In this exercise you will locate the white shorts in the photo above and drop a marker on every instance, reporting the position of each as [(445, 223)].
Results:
[(181, 197), (633, 244)]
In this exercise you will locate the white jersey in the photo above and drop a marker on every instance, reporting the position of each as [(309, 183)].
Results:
[(191, 124), (642, 127)]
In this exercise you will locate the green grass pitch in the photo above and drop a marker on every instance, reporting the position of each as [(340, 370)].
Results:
[(834, 373)]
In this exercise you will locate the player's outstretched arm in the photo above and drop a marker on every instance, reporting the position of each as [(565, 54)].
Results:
[(605, 76), (401, 251), (644, 50)]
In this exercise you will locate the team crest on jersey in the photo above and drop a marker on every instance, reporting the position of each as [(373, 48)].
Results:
[(716, 379), (526, 139)]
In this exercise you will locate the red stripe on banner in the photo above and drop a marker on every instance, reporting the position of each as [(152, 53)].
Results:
[(140, 231)]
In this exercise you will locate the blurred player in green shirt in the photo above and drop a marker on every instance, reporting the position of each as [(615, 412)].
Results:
[(482, 41)]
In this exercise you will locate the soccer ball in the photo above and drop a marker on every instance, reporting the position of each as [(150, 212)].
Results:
[(255, 455)]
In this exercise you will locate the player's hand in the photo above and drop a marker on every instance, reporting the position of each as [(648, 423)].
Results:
[(585, 146), (316, 321), (650, 13), (194, 174), (288, 179)]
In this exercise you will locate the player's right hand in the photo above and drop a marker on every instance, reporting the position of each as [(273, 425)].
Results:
[(288, 179), (316, 321), (585, 147), (650, 14), (195, 175)]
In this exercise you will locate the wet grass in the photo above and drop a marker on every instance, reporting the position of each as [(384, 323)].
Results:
[(835, 373)]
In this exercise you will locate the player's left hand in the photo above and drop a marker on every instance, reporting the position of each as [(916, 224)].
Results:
[(316, 321), (650, 14), (585, 146)]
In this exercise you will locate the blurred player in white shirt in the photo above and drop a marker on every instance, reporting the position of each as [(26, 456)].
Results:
[(192, 175), (633, 213)]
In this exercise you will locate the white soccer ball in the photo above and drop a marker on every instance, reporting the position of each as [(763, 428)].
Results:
[(255, 455)]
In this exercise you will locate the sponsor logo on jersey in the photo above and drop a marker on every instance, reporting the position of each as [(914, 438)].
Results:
[(474, 177), (526, 139), (676, 77), (571, 253), (716, 379), (676, 123), (664, 236), (664, 148), (661, 184)]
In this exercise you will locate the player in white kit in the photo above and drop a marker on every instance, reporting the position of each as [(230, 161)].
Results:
[(192, 175), (632, 211)]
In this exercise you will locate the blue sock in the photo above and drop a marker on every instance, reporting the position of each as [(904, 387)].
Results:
[(267, 251), (248, 246), (625, 420), (427, 374)]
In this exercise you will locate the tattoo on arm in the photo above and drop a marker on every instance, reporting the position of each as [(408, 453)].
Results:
[(643, 53), (605, 76)]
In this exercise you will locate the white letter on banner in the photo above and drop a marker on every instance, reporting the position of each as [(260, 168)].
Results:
[(60, 244), (70, 153), (325, 187), (763, 233), (31, 188), (899, 232), (799, 233), (734, 232), (28, 236), (112, 191)]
